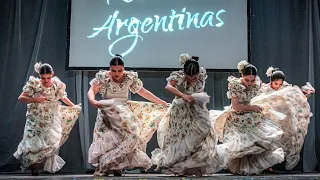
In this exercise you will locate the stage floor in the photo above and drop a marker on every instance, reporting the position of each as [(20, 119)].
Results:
[(159, 176)]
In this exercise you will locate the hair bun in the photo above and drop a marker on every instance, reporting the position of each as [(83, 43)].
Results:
[(275, 69), (196, 58), (118, 55)]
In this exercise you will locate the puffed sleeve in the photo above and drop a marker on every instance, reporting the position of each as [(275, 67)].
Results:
[(176, 76), (235, 88), (62, 90), (30, 86), (100, 80), (203, 76), (136, 84)]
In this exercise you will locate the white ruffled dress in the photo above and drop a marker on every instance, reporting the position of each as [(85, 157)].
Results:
[(249, 139), (123, 128), (185, 136), (47, 127)]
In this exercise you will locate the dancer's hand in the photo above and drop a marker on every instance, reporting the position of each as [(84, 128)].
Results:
[(77, 105), (256, 108), (96, 104), (40, 99), (187, 98), (163, 103), (310, 91)]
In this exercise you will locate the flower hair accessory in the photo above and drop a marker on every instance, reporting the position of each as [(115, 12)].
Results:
[(37, 67), (184, 58), (270, 71), (241, 65)]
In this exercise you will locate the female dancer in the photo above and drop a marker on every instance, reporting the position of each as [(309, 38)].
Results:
[(249, 138), (48, 123), (185, 136), (297, 112), (277, 82), (123, 128)]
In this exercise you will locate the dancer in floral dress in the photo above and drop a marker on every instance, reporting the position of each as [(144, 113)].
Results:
[(297, 111), (277, 82), (185, 136), (248, 134), (48, 124), (123, 128)]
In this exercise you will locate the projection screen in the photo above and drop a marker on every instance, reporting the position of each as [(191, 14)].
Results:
[(151, 34)]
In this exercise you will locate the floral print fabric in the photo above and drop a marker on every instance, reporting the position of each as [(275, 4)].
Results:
[(48, 126), (123, 128)]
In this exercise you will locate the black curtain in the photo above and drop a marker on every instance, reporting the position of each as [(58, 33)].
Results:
[(286, 34)]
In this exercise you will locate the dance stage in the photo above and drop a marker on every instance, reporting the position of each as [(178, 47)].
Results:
[(218, 176)]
